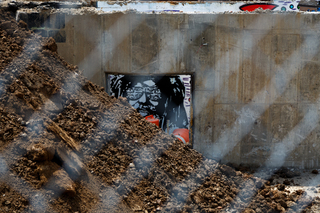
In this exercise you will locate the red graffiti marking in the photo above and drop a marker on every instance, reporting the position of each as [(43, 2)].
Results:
[(254, 6)]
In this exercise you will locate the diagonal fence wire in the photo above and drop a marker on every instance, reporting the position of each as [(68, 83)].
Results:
[(13, 70), (301, 130), (32, 49), (277, 158), (170, 45), (11, 153), (250, 113), (249, 119), (134, 25), (145, 166), (246, 116), (313, 182), (39, 205)]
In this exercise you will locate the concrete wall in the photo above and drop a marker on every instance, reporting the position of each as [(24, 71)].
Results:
[(256, 76)]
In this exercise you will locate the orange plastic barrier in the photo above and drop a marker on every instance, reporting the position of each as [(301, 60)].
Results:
[(153, 120), (182, 135)]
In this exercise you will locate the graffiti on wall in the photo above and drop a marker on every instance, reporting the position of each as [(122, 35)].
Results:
[(166, 98), (288, 5), (276, 6), (311, 6), (254, 6), (211, 7)]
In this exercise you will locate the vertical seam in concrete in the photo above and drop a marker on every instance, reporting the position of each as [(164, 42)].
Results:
[(74, 37), (130, 42), (213, 89), (269, 125), (242, 76), (131, 33), (102, 40), (298, 91), (102, 75), (158, 55)]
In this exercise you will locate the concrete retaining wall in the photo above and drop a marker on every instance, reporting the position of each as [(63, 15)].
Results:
[(256, 76)]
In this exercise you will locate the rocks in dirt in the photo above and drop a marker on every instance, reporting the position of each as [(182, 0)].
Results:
[(76, 120), (216, 192), (72, 162), (60, 182), (286, 182), (5, 25), (12, 38), (179, 160), (51, 175), (34, 87), (63, 135), (110, 163), (287, 173), (228, 171), (11, 200), (281, 187), (8, 26), (51, 45), (45, 170), (10, 127), (23, 24), (40, 152)]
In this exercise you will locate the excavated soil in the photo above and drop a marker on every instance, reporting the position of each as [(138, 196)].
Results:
[(67, 146)]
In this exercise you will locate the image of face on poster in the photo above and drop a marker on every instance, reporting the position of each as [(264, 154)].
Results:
[(167, 98)]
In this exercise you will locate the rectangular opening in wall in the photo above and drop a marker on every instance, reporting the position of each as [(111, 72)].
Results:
[(162, 99)]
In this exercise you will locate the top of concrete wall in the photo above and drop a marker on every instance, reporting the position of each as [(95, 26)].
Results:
[(211, 7), (40, 4), (172, 6), (189, 7)]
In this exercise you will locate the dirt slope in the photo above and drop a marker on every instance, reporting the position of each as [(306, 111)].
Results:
[(67, 146)]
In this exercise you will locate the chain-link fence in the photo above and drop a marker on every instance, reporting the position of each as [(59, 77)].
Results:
[(81, 150)]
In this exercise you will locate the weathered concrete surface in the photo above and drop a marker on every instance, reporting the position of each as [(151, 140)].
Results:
[(256, 76)]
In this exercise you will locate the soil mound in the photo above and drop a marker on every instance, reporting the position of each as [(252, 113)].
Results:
[(67, 146)]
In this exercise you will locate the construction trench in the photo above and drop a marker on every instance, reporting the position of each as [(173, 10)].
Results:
[(68, 146)]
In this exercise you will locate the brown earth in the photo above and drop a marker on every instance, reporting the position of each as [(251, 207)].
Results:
[(67, 146)]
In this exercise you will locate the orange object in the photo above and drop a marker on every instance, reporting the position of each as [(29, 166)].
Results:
[(153, 120), (182, 135)]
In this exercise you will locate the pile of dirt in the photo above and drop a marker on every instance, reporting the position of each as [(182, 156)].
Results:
[(67, 146)]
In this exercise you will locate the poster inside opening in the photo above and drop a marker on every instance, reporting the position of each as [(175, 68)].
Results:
[(166, 98)]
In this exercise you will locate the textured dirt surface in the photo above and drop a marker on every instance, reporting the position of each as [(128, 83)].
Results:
[(67, 146)]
